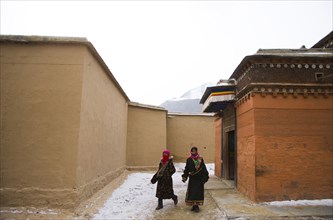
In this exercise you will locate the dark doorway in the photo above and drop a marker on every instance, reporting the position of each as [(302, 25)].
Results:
[(231, 154)]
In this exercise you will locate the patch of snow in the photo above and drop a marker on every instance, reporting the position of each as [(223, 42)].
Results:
[(12, 210), (31, 211), (322, 202), (42, 212), (189, 102), (175, 99), (48, 212), (211, 169), (197, 92), (135, 198)]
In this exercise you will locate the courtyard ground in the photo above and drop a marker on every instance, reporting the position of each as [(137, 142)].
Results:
[(132, 196)]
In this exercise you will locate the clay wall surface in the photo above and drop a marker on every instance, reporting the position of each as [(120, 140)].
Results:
[(103, 127), (63, 124), (246, 149), (293, 147), (41, 87), (146, 136), (185, 131), (218, 144)]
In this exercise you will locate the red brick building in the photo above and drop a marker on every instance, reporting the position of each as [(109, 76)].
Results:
[(274, 134)]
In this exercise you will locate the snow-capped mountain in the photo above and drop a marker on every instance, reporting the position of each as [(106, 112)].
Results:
[(189, 102)]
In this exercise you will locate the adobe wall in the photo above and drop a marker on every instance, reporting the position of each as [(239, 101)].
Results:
[(185, 131), (146, 136), (41, 86), (246, 149), (293, 147), (103, 126), (218, 144)]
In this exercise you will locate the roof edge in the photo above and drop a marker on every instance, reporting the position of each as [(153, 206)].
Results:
[(189, 114), (136, 104), (41, 39)]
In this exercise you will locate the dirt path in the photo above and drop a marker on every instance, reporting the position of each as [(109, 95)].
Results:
[(85, 211), (128, 198)]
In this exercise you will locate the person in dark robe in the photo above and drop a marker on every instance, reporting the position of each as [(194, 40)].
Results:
[(196, 171), (163, 176)]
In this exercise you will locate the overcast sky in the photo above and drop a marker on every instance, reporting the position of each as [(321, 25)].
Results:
[(158, 50)]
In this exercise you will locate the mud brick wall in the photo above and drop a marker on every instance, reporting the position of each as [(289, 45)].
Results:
[(294, 158), (285, 149), (218, 142), (147, 134), (246, 150), (187, 130), (62, 119)]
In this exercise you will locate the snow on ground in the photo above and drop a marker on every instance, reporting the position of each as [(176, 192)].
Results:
[(30, 210), (135, 198), (322, 202)]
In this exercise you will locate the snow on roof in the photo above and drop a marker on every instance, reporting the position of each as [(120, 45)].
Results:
[(171, 114), (146, 106), (303, 52)]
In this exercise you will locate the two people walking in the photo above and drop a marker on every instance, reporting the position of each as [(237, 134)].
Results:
[(195, 171)]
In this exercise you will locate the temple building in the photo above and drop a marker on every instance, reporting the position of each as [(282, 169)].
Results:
[(274, 131)]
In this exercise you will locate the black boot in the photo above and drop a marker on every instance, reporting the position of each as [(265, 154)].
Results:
[(196, 208), (160, 204), (175, 199)]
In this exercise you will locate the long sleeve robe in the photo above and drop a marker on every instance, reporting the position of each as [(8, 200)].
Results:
[(164, 188), (198, 176)]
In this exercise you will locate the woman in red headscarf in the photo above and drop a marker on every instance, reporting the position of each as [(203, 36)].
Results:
[(163, 176), (196, 171)]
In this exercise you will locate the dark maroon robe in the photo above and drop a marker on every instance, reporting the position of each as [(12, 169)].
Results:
[(198, 176)]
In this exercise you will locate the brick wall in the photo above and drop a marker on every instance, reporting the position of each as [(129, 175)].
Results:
[(293, 148), (246, 150)]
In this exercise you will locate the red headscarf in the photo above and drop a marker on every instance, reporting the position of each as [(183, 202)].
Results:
[(194, 156), (165, 157)]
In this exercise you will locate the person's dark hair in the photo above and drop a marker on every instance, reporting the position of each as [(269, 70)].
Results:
[(194, 148)]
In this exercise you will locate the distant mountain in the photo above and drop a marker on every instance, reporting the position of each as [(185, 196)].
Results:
[(189, 102)]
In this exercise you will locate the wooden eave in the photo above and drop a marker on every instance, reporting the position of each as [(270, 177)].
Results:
[(327, 39), (280, 58)]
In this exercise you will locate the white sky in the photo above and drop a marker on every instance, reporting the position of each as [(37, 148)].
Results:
[(158, 50)]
